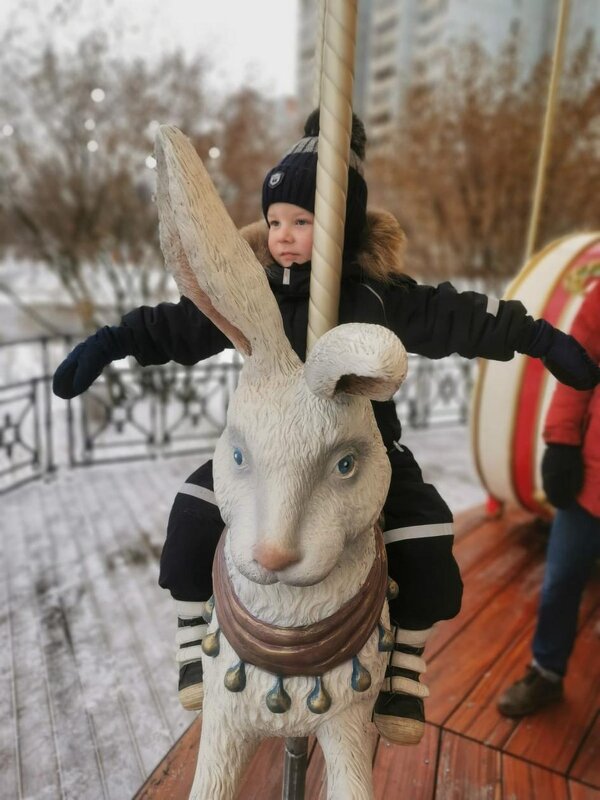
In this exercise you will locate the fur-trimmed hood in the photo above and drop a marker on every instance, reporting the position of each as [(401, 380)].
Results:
[(381, 254)]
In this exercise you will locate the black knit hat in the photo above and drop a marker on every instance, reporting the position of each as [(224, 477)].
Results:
[(294, 179)]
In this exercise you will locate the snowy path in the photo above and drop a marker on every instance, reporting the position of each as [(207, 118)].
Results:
[(88, 701)]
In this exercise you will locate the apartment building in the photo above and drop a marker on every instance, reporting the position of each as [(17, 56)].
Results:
[(401, 43)]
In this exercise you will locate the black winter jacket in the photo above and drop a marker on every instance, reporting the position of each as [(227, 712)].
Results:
[(430, 321)]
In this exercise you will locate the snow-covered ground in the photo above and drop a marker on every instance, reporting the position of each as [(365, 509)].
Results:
[(444, 455)]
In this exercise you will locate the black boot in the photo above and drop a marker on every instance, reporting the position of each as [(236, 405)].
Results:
[(191, 629), (399, 712)]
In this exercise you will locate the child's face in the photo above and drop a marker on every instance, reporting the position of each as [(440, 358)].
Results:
[(290, 233)]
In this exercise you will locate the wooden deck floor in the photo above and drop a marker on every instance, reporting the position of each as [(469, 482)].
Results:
[(88, 702), (87, 680), (470, 751)]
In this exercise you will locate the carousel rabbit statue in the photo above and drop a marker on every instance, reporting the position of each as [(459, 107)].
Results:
[(299, 638)]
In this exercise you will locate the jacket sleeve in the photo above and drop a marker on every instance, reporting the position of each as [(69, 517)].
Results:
[(567, 416), (177, 332), (438, 321)]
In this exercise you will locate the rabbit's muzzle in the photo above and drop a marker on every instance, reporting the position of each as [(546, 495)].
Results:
[(273, 557)]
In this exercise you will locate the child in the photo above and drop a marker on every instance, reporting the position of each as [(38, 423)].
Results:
[(434, 322)]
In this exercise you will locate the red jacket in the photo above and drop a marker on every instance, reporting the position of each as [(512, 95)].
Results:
[(574, 417)]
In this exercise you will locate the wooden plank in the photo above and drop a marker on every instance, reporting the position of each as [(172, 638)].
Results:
[(407, 771), (264, 777), (131, 639), (478, 717), (524, 781), (579, 791), (150, 494), (469, 520), (467, 770), (488, 561), (469, 523), (146, 505), (130, 574), (316, 775), (552, 736), (38, 764), (85, 626), (457, 669), (587, 763), (10, 777), (173, 777), (71, 727), (155, 609)]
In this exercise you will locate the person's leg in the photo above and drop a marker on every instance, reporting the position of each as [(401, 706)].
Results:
[(418, 533), (193, 532), (573, 545)]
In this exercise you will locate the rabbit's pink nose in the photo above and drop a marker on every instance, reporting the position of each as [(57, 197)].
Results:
[(273, 557)]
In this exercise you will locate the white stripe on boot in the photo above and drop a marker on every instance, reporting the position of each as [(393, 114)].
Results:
[(414, 663), (188, 654), (396, 719)]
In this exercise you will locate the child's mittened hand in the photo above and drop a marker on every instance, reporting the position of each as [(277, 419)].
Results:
[(562, 473), (568, 361), (83, 364)]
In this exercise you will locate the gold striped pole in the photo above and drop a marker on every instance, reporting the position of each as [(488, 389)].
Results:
[(318, 65), (337, 81), (547, 130), (332, 91)]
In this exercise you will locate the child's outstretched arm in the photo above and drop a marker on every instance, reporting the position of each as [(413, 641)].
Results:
[(563, 356), (153, 335), (438, 321)]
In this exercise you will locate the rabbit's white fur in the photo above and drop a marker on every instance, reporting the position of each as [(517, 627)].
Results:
[(300, 537)]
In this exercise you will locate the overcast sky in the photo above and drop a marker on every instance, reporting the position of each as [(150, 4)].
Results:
[(245, 41)]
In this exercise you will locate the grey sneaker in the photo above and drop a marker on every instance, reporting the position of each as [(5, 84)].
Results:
[(529, 694)]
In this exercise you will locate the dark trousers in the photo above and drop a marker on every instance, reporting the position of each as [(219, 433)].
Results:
[(417, 530), (573, 546)]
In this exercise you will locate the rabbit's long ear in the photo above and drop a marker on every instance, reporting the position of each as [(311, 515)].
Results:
[(357, 358), (212, 264)]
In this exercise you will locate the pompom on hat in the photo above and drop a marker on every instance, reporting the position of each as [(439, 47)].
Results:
[(294, 179)]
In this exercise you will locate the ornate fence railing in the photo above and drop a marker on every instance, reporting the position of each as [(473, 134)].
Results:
[(132, 412)]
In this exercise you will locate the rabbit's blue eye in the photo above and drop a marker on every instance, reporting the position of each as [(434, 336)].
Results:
[(345, 465), (238, 456)]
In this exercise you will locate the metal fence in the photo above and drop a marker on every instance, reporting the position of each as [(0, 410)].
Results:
[(132, 412)]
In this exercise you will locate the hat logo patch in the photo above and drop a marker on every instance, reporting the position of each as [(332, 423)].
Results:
[(275, 179)]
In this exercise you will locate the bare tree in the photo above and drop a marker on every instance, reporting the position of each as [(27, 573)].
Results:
[(77, 186), (254, 134), (461, 175)]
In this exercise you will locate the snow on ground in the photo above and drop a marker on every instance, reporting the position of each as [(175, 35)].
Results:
[(453, 474)]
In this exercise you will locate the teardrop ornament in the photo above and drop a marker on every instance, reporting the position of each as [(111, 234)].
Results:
[(393, 590), (361, 677), (278, 700), (235, 678), (209, 607), (319, 700), (211, 645), (386, 639)]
